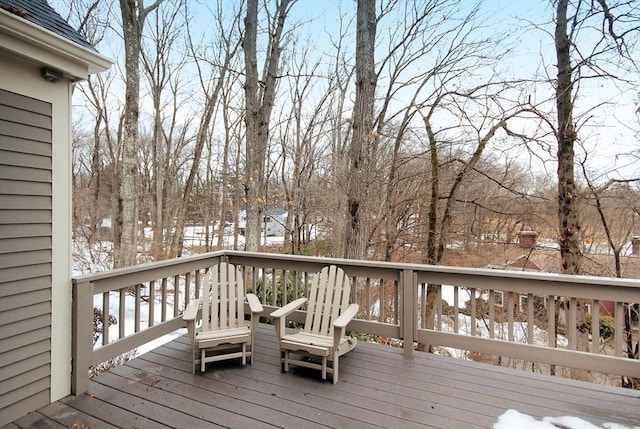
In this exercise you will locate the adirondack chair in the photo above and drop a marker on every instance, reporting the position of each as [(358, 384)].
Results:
[(216, 322), (323, 334)]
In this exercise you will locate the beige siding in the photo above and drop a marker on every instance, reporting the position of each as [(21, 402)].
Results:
[(25, 253)]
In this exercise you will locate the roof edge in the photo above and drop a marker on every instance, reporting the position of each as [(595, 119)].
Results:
[(34, 35)]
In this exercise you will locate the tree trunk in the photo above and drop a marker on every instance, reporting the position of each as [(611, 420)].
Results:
[(254, 166), (158, 179), (224, 203), (203, 133), (259, 98), (569, 224), (125, 249), (569, 227), (363, 137)]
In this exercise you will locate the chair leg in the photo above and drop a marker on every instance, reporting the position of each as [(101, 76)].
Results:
[(324, 367), (193, 357), (203, 354), (244, 353), (335, 370), (285, 363)]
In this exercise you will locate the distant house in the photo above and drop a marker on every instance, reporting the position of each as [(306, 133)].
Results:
[(41, 57), (273, 222), (521, 263)]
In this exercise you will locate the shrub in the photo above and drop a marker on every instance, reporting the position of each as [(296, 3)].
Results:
[(98, 331), (98, 326), (607, 326)]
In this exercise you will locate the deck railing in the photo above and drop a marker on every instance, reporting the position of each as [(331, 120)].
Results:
[(148, 300)]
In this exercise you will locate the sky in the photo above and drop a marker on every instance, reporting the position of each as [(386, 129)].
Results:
[(611, 130), (606, 132)]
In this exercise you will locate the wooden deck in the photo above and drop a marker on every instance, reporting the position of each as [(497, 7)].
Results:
[(378, 388)]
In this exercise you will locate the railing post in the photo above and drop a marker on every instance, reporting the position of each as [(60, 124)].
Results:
[(409, 319), (82, 330)]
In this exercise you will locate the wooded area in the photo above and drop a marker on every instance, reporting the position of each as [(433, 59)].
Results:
[(389, 130)]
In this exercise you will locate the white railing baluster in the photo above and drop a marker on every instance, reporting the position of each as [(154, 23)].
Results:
[(198, 284), (492, 314), (296, 284), (105, 318), (510, 310), (619, 330), (456, 306), (381, 296), (151, 303), (396, 302), (121, 312), (187, 289), (138, 309), (367, 292), (176, 296), (474, 314), (530, 323), (572, 328), (164, 299), (595, 326), (438, 325), (551, 320), (423, 304)]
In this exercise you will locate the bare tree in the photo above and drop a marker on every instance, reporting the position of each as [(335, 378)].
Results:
[(230, 171), (579, 61), (302, 138), (163, 65), (421, 34), (259, 98), (569, 224), (225, 48), (126, 226), (574, 64), (336, 168), (91, 167), (617, 220), (363, 137)]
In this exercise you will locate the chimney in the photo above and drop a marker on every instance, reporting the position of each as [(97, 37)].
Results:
[(635, 245), (527, 239)]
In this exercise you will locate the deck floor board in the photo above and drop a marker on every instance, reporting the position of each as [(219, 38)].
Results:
[(378, 388)]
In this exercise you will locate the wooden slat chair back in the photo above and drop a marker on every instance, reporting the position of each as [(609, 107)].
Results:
[(222, 328), (329, 294), (324, 333), (225, 288)]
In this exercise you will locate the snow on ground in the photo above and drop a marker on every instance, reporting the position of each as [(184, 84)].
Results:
[(513, 419), (129, 319), (195, 236), (501, 330)]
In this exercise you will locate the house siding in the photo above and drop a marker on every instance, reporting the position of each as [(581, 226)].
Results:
[(25, 254)]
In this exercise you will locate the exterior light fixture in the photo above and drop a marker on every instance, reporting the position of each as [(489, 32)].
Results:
[(50, 74)]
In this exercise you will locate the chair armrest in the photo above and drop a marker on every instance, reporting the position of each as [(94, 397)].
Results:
[(191, 312), (288, 309), (254, 303), (346, 317)]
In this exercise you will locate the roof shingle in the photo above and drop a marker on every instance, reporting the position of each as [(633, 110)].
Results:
[(39, 12)]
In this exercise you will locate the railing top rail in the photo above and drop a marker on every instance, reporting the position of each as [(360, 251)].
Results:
[(458, 272), (119, 272), (452, 273)]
